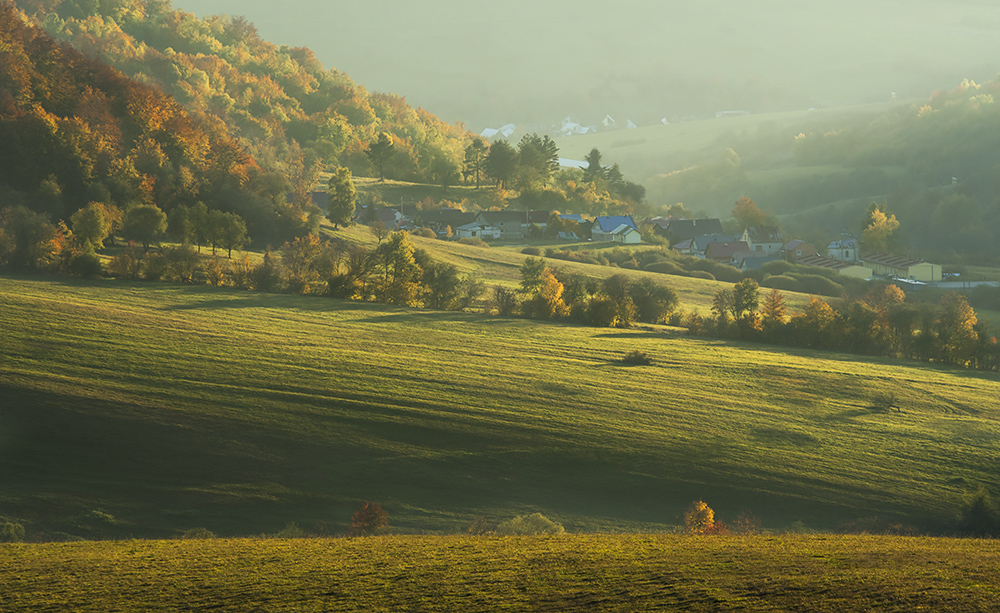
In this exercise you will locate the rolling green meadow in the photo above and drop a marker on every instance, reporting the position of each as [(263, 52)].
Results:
[(144, 410)]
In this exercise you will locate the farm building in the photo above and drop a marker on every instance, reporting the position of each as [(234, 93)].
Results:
[(903, 267), (846, 269)]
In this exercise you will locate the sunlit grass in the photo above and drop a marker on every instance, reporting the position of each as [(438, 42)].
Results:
[(172, 407), (572, 572)]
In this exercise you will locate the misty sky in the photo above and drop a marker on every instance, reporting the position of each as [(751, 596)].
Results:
[(489, 63)]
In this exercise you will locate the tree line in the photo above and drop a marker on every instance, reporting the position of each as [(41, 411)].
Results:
[(879, 323)]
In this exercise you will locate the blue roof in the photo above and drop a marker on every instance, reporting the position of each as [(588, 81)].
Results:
[(609, 223)]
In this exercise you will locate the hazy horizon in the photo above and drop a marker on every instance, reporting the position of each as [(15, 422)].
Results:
[(487, 64)]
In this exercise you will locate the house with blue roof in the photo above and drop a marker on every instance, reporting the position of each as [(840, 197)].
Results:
[(604, 227)]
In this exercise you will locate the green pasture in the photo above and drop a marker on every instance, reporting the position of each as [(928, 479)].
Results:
[(134, 409), (567, 573)]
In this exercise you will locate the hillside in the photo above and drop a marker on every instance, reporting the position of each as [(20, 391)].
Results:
[(593, 573), (292, 114), (148, 409), (73, 131)]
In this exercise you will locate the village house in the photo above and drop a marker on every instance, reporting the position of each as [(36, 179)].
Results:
[(699, 244), (767, 239), (796, 250), (903, 267), (626, 235), (478, 230), (845, 249), (439, 220), (510, 224), (680, 230), (723, 251), (752, 260), (604, 226)]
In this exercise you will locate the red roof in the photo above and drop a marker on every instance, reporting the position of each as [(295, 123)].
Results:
[(723, 251)]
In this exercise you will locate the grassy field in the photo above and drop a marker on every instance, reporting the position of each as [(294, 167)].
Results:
[(135, 409), (568, 573)]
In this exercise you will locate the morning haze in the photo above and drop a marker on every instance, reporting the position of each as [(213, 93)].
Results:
[(490, 63)]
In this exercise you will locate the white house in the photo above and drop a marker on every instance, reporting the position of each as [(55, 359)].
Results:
[(604, 226), (767, 239), (626, 235), (478, 230), (845, 250)]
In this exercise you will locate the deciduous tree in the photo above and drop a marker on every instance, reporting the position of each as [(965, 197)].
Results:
[(342, 197), (145, 224)]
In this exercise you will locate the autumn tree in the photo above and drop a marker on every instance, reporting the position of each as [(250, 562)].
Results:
[(699, 518), (747, 214), (369, 520), (773, 311), (380, 151), (548, 302), (956, 329), (396, 271), (342, 197), (880, 225)]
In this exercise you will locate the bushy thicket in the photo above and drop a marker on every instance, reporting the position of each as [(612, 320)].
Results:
[(617, 301)]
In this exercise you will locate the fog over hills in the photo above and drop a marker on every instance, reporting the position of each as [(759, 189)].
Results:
[(489, 63)]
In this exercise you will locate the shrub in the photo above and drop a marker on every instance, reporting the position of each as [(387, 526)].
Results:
[(198, 533), (215, 273), (291, 531), (126, 265), (535, 524), (702, 274), (154, 266), (783, 282), (636, 358), (532, 251), (11, 532), (979, 516), (475, 241), (370, 519), (480, 526), (667, 268), (86, 264), (425, 233)]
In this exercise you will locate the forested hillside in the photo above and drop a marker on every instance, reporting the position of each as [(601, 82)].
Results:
[(75, 131), (288, 111)]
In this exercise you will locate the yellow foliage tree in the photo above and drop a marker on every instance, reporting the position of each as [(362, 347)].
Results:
[(699, 518)]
